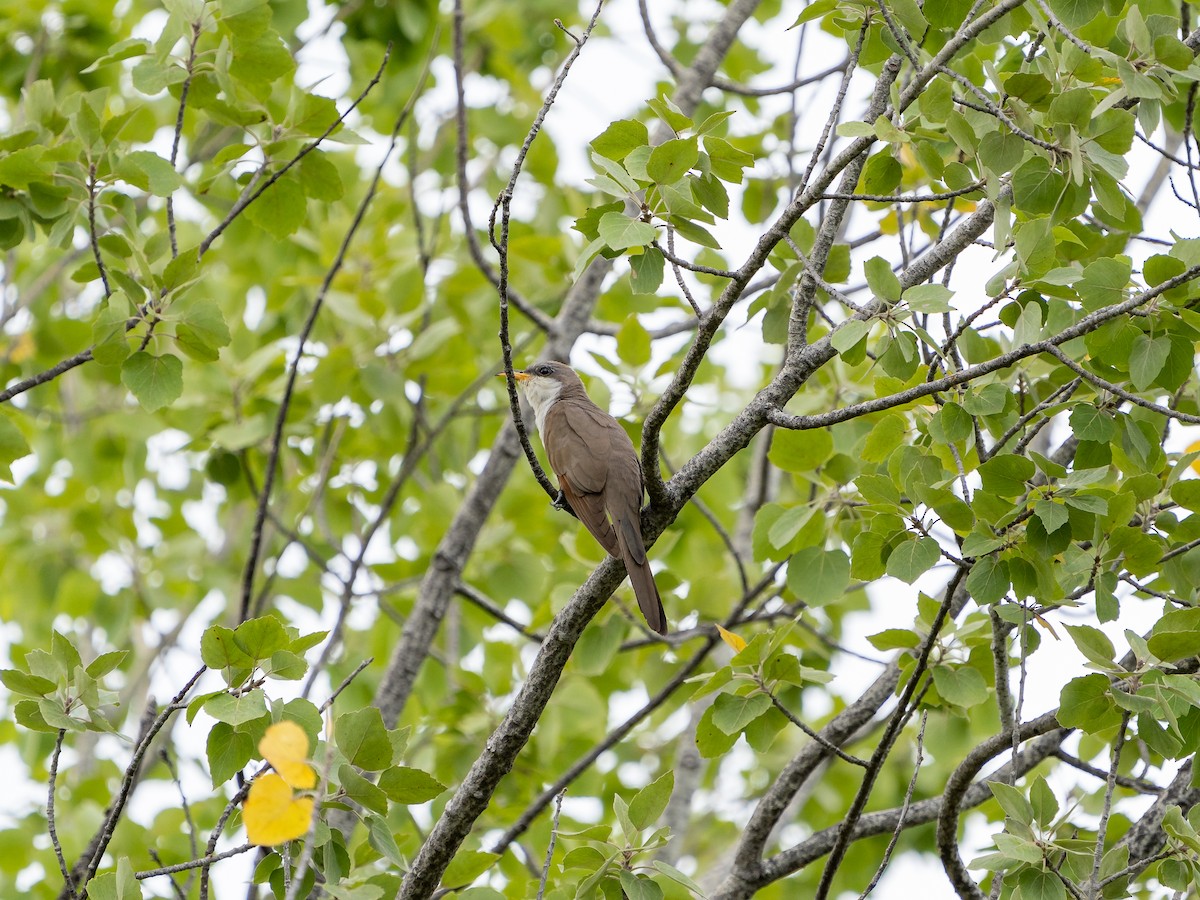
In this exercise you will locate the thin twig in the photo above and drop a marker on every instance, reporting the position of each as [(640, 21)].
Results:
[(135, 763), (190, 67), (815, 735), (1110, 787), (58, 853), (558, 801), (1118, 391), (260, 516), (891, 733), (251, 193), (908, 795), (502, 206), (193, 863), (345, 683), (535, 315), (187, 813), (93, 235), (479, 599)]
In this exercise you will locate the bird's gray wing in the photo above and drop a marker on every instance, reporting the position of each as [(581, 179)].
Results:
[(581, 471)]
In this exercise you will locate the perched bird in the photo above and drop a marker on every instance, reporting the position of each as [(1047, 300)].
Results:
[(598, 472)]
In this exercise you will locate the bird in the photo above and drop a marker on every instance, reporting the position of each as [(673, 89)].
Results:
[(598, 472)]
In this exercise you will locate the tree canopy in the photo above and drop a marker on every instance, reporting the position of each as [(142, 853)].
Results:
[(285, 599)]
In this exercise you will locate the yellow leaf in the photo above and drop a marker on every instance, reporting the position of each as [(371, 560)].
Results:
[(1192, 448), (285, 747), (273, 814), (737, 643)]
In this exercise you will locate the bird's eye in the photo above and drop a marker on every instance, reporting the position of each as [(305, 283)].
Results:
[(543, 370)]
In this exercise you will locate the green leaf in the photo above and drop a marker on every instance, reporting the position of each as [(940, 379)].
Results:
[(881, 279), (363, 739), (1006, 474), (220, 649), (895, 639), (261, 637), (639, 887), (732, 713), (362, 791), (619, 232), (228, 752), (1039, 884), (405, 785), (619, 138), (951, 424), (1043, 802), (648, 804), (847, 335), (633, 342), (818, 576), (1094, 644), (1147, 358), (259, 59), (155, 380), (281, 209), (1104, 282), (646, 271), (677, 876), (200, 328), (237, 710), (670, 113), (881, 175), (1085, 704), (928, 298), (713, 121), (671, 160), (800, 451), (1076, 13), (815, 10), (1073, 107), (727, 161), (150, 172), (119, 885), (1089, 423), (108, 333), (788, 525), (598, 645), (1052, 515), (381, 838), (468, 865), (12, 447), (960, 685), (28, 715), (988, 580), (23, 167), (911, 559), (1037, 188), (697, 234), (888, 434), (1013, 801), (26, 685), (320, 178), (1176, 635)]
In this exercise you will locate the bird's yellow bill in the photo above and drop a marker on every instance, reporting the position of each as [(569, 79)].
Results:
[(520, 376)]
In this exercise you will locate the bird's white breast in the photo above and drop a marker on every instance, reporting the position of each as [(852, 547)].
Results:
[(542, 392)]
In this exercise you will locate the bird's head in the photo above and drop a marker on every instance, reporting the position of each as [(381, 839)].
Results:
[(543, 382)]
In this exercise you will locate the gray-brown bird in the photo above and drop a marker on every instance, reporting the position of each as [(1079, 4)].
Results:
[(598, 472)]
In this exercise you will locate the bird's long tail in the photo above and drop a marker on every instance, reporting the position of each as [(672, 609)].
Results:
[(633, 553)]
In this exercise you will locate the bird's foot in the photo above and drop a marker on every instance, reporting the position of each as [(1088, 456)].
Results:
[(560, 502)]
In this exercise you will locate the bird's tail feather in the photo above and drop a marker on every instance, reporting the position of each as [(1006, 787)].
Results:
[(642, 580)]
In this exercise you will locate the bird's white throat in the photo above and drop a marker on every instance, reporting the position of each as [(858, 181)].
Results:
[(542, 392)]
